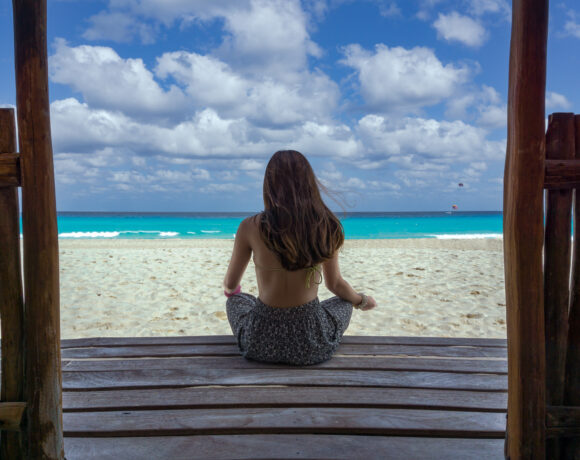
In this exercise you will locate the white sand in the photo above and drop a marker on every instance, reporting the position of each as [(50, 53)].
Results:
[(452, 288)]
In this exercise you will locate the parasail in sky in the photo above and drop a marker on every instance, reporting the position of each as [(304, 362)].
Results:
[(460, 184), (454, 207)]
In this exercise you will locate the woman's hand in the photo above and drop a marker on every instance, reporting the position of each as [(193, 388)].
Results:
[(371, 303)]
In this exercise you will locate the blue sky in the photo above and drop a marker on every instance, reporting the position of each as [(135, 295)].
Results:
[(177, 105)]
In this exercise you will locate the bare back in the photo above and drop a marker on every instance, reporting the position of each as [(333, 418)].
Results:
[(278, 287)]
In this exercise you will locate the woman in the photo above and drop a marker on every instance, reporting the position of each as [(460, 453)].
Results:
[(294, 241)]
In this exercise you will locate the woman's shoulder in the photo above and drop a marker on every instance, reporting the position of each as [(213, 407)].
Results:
[(250, 225)]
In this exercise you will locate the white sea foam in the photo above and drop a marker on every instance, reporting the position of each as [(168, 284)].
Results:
[(191, 233), (211, 231), (467, 236), (168, 233), (88, 235)]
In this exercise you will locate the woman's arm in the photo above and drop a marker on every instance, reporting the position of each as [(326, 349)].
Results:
[(240, 257), (339, 286)]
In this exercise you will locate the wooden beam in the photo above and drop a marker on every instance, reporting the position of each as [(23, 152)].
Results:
[(561, 174), (557, 249), (9, 168), (563, 421), (11, 414), (11, 298), (572, 383), (523, 230), (41, 277)]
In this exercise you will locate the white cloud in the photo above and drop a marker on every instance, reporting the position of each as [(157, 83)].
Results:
[(409, 142), (480, 7), (261, 99), (572, 27), (557, 101), (107, 81), (223, 188), (455, 27), (119, 27), (396, 79)]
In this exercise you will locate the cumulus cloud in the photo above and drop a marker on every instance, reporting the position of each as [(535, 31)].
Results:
[(411, 141), (455, 27), (557, 101), (108, 81), (572, 27), (480, 7), (262, 99), (399, 79)]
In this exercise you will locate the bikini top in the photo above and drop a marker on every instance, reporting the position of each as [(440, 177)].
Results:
[(310, 272)]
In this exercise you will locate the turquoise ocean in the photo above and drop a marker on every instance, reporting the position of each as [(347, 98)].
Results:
[(357, 225)]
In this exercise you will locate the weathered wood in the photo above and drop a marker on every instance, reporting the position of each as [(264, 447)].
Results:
[(245, 447), (557, 250), (9, 167), (572, 382), (11, 299), (477, 366), (562, 174), (384, 422), (276, 396), (39, 228), (523, 229), (11, 416), (564, 422), (176, 378), (232, 350), (230, 340)]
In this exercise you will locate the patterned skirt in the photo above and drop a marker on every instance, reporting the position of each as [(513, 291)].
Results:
[(303, 335)]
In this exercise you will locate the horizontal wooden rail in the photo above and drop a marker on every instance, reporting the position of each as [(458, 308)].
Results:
[(563, 421), (10, 170), (11, 415), (562, 174)]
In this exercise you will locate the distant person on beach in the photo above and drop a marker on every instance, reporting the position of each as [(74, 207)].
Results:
[(294, 242)]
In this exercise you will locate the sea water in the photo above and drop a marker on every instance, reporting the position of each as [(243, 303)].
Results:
[(376, 225)]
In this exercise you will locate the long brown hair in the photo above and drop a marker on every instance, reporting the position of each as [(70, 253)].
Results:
[(296, 224)]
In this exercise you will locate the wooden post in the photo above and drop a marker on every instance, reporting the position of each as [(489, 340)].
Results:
[(523, 230), (43, 386), (572, 382), (11, 301), (557, 249)]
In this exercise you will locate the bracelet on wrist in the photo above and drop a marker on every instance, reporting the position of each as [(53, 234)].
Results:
[(363, 303), (234, 292)]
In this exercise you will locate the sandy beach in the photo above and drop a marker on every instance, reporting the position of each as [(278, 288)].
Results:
[(428, 287)]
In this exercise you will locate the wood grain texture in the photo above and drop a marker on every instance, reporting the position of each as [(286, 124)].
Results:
[(562, 174), (188, 422), (476, 366), (523, 229), (572, 382), (277, 396), (40, 236), (557, 253), (163, 378), (9, 166), (248, 447), (230, 340), (232, 350), (11, 296), (11, 416)]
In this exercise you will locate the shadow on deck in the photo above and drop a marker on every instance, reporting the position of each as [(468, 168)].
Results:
[(195, 397)]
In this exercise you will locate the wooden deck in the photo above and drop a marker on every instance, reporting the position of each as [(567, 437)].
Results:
[(195, 397)]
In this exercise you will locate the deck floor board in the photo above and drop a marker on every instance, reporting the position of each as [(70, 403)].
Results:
[(195, 397)]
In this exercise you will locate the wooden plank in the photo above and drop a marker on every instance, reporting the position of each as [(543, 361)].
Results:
[(39, 228), (9, 165), (245, 447), (11, 416), (562, 174), (572, 381), (557, 251), (214, 396), (11, 297), (161, 378), (564, 422), (229, 339), (479, 366), (523, 229), (383, 422), (232, 350)]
